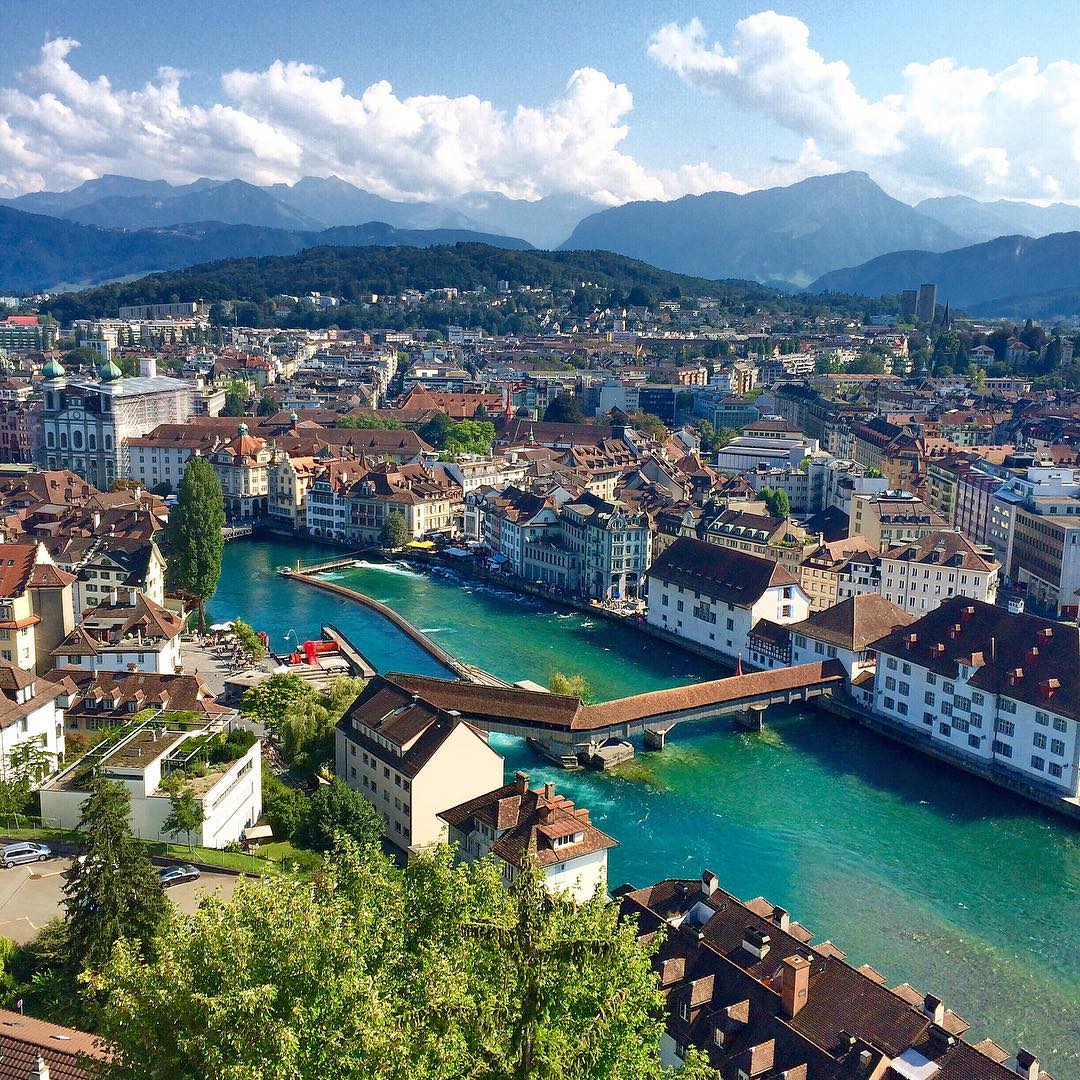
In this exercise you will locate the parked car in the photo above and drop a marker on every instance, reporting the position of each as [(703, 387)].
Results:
[(24, 852), (174, 875)]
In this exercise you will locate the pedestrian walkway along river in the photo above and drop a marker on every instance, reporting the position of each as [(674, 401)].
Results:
[(928, 874)]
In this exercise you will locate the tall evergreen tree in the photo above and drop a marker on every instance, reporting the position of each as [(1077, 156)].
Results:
[(112, 891), (195, 539)]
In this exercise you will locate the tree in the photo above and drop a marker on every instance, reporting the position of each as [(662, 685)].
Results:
[(370, 421), (470, 437), (285, 807), (270, 701), (29, 761), (564, 410), (336, 808), (195, 538), (776, 501), (249, 640), (434, 970), (649, 425), (267, 406), (186, 815), (436, 430), (112, 891), (395, 533), (236, 399), (573, 685)]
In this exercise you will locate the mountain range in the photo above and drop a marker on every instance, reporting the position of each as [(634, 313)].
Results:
[(791, 237), (42, 253), (311, 204), (786, 235), (989, 278)]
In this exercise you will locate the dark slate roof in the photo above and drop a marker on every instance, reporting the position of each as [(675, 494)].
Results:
[(719, 572), (1024, 657)]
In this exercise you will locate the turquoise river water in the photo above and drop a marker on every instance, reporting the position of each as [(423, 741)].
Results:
[(931, 876)]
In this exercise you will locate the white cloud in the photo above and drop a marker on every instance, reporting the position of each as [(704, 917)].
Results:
[(1011, 133), (58, 128)]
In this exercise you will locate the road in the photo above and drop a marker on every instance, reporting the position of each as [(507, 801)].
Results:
[(32, 894)]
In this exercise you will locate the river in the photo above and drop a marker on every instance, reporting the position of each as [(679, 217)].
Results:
[(929, 875)]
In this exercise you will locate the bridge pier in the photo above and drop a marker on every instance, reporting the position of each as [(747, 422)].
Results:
[(752, 718), (656, 738)]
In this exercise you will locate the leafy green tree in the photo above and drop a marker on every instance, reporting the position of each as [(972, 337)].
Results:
[(370, 421), (436, 430), (470, 437), (270, 701), (649, 425), (575, 685), (195, 538), (267, 406), (395, 533), (236, 399), (285, 807), (249, 640), (435, 970), (112, 891), (565, 409), (29, 761), (336, 808), (776, 501), (185, 814)]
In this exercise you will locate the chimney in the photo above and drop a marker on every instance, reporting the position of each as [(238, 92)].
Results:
[(1027, 1064), (521, 782), (934, 1008), (781, 917), (148, 367), (1032, 654), (97, 521), (709, 883), (549, 791), (41, 1070), (755, 942), (794, 983), (967, 613)]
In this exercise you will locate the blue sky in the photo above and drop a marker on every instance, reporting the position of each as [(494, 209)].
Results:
[(779, 110)]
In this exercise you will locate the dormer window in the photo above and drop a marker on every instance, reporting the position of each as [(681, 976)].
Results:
[(566, 841), (684, 1009)]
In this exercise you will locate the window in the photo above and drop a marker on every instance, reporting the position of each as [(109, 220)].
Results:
[(904, 688), (974, 741), (901, 708), (976, 720), (948, 688), (891, 663), (664, 600), (1005, 727), (931, 679), (730, 624), (1039, 740), (1059, 724), (1057, 746), (960, 724), (1007, 705), (890, 704), (819, 648), (1038, 763), (890, 683), (906, 669), (1055, 770), (1004, 749), (1042, 718), (928, 697), (928, 719), (945, 729), (977, 698)]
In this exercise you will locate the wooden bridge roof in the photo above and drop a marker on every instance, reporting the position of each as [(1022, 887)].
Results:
[(558, 712)]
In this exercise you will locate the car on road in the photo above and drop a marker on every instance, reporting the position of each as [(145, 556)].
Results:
[(175, 875), (24, 852)]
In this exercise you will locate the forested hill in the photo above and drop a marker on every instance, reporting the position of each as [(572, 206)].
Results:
[(355, 273)]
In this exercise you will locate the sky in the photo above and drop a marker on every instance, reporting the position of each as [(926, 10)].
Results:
[(612, 101)]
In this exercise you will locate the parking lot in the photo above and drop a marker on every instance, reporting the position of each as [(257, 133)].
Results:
[(32, 894)]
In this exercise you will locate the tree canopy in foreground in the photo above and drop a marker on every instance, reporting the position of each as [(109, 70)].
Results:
[(436, 971)]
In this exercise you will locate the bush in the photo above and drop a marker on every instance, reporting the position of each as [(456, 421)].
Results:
[(232, 746)]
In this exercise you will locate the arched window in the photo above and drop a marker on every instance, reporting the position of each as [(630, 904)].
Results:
[(76, 439), (93, 440), (108, 441), (63, 440), (50, 439)]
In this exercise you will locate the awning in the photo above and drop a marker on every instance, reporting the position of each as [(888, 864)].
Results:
[(424, 545), (458, 553), (258, 832)]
